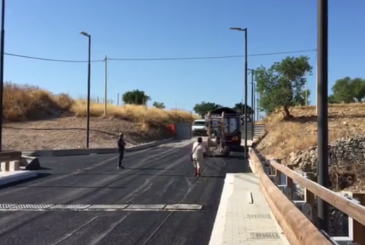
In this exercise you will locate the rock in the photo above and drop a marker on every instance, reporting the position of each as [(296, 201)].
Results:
[(346, 157)]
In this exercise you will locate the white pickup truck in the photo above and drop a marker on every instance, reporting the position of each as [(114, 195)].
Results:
[(199, 127)]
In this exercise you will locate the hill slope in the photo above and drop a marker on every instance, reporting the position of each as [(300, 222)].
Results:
[(294, 142), (37, 119)]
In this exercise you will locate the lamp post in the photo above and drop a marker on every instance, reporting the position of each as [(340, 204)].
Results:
[(245, 120), (2, 50), (252, 103), (253, 109), (322, 100), (88, 88), (106, 87)]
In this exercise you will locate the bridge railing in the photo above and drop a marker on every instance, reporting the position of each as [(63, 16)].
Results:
[(10, 160), (298, 217)]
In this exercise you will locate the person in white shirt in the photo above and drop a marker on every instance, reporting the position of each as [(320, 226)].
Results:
[(197, 155)]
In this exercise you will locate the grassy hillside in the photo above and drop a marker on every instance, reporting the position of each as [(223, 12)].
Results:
[(300, 133), (24, 103)]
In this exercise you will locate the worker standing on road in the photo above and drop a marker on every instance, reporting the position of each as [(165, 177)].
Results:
[(197, 156), (121, 148)]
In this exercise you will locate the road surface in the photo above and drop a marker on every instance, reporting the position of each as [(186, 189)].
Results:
[(161, 175)]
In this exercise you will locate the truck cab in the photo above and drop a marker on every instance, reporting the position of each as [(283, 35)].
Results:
[(199, 127)]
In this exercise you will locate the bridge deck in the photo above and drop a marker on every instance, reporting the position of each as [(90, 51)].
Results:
[(243, 216)]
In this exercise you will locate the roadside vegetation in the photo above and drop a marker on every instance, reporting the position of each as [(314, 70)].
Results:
[(36, 119), (300, 133), (292, 126), (25, 102)]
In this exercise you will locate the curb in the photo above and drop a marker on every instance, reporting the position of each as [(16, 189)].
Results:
[(17, 176), (79, 152)]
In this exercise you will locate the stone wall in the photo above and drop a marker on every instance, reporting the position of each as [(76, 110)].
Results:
[(346, 161)]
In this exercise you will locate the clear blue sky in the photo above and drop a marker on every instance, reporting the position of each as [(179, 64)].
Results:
[(165, 28)]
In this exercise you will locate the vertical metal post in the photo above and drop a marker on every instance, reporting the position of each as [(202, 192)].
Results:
[(106, 87), (2, 50), (257, 106), (117, 98), (252, 105), (246, 68), (254, 109), (306, 92), (88, 95), (317, 88), (322, 91)]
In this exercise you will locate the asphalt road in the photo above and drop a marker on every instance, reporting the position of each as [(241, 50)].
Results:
[(161, 175)]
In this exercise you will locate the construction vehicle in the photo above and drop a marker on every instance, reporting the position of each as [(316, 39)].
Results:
[(223, 129)]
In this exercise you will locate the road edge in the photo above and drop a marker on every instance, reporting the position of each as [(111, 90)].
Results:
[(78, 152)]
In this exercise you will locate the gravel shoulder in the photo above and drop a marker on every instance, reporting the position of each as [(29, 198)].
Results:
[(70, 133)]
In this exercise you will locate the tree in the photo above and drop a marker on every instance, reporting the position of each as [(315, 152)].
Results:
[(332, 99), (358, 86), (136, 97), (281, 86), (300, 100), (348, 90), (204, 107), (240, 107), (159, 105)]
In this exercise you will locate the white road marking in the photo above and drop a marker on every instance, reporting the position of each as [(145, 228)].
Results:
[(100, 207), (216, 237)]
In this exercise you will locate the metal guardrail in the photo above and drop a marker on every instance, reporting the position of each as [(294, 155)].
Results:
[(298, 223)]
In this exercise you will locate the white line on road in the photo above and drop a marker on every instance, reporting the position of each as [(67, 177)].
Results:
[(99, 207)]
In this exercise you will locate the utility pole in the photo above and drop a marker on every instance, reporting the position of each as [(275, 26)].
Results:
[(2, 50), (306, 92), (106, 87), (317, 88), (254, 111), (117, 98), (322, 94), (252, 104)]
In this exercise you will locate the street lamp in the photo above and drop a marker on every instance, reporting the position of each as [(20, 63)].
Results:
[(252, 104), (88, 89), (2, 50), (245, 30)]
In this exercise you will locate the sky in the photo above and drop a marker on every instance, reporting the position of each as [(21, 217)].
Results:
[(137, 29)]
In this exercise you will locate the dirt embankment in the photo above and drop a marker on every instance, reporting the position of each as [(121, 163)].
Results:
[(295, 141), (37, 119)]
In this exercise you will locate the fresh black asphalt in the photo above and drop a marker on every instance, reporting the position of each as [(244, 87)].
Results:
[(161, 175)]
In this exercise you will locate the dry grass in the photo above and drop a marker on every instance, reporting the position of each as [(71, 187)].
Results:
[(37, 119), (300, 133), (148, 116), (25, 102)]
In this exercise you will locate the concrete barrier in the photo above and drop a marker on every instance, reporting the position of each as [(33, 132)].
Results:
[(78, 152)]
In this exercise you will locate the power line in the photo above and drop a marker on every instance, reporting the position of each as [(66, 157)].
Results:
[(214, 57), (54, 60), (161, 59)]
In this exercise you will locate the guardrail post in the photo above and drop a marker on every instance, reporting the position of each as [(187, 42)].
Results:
[(359, 229), (310, 199), (290, 184), (278, 177)]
